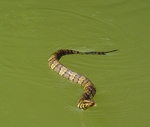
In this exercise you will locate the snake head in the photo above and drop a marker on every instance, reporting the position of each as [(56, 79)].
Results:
[(85, 104)]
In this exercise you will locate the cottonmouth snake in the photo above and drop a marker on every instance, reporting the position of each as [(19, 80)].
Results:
[(85, 101)]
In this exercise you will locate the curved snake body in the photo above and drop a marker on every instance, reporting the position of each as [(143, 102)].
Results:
[(85, 101)]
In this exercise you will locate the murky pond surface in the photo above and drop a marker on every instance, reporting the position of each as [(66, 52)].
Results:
[(32, 95)]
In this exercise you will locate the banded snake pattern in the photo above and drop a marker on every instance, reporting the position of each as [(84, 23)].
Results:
[(85, 101)]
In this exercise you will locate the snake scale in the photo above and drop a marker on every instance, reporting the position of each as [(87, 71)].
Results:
[(85, 101)]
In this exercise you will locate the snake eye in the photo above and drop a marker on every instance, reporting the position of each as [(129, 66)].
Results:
[(92, 103)]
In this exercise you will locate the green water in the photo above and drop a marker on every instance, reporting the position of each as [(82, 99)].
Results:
[(32, 95)]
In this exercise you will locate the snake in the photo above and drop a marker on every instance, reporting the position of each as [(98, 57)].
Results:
[(85, 101)]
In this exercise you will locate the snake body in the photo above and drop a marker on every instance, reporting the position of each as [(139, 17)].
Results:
[(85, 101)]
